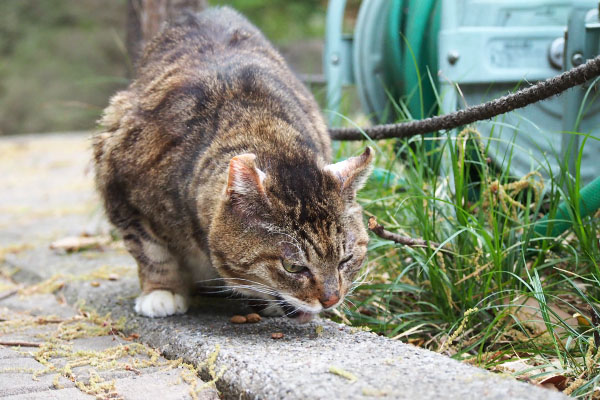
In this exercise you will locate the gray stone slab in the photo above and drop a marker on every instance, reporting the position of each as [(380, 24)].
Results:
[(98, 343), (27, 335), (38, 305), (60, 394), (16, 377), (152, 386), (6, 352)]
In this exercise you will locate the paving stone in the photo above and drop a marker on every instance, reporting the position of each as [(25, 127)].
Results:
[(60, 394), (152, 386), (38, 305), (16, 377), (6, 352), (98, 343)]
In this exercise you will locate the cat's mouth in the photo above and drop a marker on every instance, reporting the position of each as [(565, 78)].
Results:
[(294, 312), (288, 309)]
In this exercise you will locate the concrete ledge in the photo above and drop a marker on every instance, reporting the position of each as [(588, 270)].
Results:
[(298, 366)]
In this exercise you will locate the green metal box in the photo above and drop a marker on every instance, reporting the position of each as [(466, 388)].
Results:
[(488, 48)]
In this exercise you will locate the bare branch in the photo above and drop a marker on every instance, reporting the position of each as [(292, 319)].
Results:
[(19, 344), (379, 230), (8, 294)]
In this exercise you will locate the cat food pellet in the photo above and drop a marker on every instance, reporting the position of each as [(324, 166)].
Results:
[(113, 277), (95, 284), (277, 335), (253, 318), (238, 319)]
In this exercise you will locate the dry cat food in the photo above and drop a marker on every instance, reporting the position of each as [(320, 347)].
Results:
[(250, 318), (277, 335), (238, 319), (253, 318)]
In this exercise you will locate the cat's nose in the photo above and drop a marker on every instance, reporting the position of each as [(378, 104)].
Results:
[(330, 299)]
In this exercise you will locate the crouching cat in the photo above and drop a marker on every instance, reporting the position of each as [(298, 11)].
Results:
[(215, 167)]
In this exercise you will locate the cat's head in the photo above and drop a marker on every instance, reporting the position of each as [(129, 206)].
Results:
[(291, 232)]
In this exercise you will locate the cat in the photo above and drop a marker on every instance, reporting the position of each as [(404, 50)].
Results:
[(214, 165)]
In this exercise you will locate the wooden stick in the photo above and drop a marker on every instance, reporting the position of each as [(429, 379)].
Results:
[(19, 344), (403, 240), (8, 294), (596, 326)]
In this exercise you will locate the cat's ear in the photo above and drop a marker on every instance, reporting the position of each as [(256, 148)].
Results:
[(245, 179), (352, 173)]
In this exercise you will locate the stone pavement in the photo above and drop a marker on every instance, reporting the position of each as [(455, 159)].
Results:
[(47, 195), (50, 350)]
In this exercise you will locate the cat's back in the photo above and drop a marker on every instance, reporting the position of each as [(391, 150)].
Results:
[(198, 72), (208, 87), (207, 40)]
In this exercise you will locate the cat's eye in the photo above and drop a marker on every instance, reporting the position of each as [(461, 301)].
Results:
[(293, 268), (345, 260)]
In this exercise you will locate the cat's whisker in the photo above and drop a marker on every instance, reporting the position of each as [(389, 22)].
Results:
[(357, 283), (361, 279), (298, 248), (262, 288), (295, 310), (279, 231), (256, 289), (349, 301), (230, 279), (232, 288), (255, 283)]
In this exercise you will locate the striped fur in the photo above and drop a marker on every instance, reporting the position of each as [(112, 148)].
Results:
[(215, 163)]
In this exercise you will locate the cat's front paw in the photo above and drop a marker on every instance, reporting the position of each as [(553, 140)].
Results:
[(160, 303)]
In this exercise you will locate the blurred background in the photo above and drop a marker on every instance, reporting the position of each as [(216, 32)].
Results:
[(60, 60)]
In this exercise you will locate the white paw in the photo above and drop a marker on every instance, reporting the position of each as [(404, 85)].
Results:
[(160, 303)]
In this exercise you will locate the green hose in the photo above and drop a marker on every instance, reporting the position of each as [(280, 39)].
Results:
[(422, 27), (410, 46), (589, 203), (412, 32)]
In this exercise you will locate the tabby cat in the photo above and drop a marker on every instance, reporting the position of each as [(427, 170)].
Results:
[(215, 167)]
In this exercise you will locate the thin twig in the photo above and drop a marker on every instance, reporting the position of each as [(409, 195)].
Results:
[(8, 294), (380, 231), (596, 326), (19, 344), (44, 321)]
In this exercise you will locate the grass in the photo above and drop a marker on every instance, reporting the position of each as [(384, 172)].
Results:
[(506, 299)]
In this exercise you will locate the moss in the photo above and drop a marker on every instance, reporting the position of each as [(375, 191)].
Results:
[(190, 373), (57, 345), (356, 329), (343, 373)]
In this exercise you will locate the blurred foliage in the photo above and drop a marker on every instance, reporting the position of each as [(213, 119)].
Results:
[(283, 21), (61, 60)]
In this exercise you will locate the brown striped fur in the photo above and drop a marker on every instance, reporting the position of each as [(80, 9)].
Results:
[(214, 163)]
